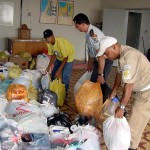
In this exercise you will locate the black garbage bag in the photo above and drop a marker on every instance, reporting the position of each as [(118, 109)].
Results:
[(84, 120), (60, 119), (106, 90), (48, 96)]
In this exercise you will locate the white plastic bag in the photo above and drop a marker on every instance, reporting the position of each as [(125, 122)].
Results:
[(116, 133), (38, 142), (85, 76), (45, 81), (42, 62), (48, 109), (3, 103), (88, 137), (58, 132), (36, 109), (9, 134), (33, 75), (88, 144), (28, 121), (23, 81)]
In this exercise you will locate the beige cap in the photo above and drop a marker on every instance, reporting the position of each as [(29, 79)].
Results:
[(105, 42)]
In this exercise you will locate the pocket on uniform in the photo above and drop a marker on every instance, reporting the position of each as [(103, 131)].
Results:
[(141, 97)]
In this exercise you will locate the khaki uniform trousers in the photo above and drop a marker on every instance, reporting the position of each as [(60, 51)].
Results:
[(139, 117)]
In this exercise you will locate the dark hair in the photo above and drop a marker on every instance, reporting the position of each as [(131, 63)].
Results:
[(81, 18), (47, 33)]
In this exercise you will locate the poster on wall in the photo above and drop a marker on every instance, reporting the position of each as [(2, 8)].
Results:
[(65, 12), (48, 11), (6, 13)]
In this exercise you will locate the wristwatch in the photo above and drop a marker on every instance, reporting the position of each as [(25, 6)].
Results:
[(122, 106), (100, 74)]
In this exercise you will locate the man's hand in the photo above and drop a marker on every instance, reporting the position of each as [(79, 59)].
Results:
[(90, 67), (90, 64), (119, 113), (100, 79), (51, 64), (49, 69)]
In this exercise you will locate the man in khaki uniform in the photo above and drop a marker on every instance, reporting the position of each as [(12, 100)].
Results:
[(134, 75)]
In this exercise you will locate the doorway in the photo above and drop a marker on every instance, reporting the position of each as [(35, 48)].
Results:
[(133, 29)]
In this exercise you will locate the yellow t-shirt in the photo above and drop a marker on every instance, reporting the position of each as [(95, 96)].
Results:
[(62, 48)]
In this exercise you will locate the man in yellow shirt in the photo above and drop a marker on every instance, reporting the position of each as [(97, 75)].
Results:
[(62, 55)]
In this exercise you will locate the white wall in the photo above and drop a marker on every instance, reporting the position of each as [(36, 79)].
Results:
[(90, 7), (93, 9), (144, 43), (129, 4), (141, 6), (145, 31)]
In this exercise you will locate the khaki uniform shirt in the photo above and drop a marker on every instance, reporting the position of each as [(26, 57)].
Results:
[(134, 67)]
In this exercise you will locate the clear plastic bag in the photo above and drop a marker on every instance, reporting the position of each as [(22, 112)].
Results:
[(23, 81), (57, 132), (3, 103), (45, 81), (48, 109), (4, 85), (28, 121), (37, 142), (42, 62), (109, 107), (33, 75), (9, 134), (87, 138), (85, 76)]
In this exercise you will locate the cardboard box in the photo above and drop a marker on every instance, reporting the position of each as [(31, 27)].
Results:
[(3, 61), (23, 63)]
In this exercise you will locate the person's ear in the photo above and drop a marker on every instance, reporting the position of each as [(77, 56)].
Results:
[(114, 46)]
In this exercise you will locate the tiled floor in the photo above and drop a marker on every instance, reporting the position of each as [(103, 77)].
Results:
[(69, 106)]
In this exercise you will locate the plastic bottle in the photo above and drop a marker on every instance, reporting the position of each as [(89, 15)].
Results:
[(110, 108)]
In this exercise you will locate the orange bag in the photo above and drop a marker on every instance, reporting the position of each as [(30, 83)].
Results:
[(89, 99), (17, 92)]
